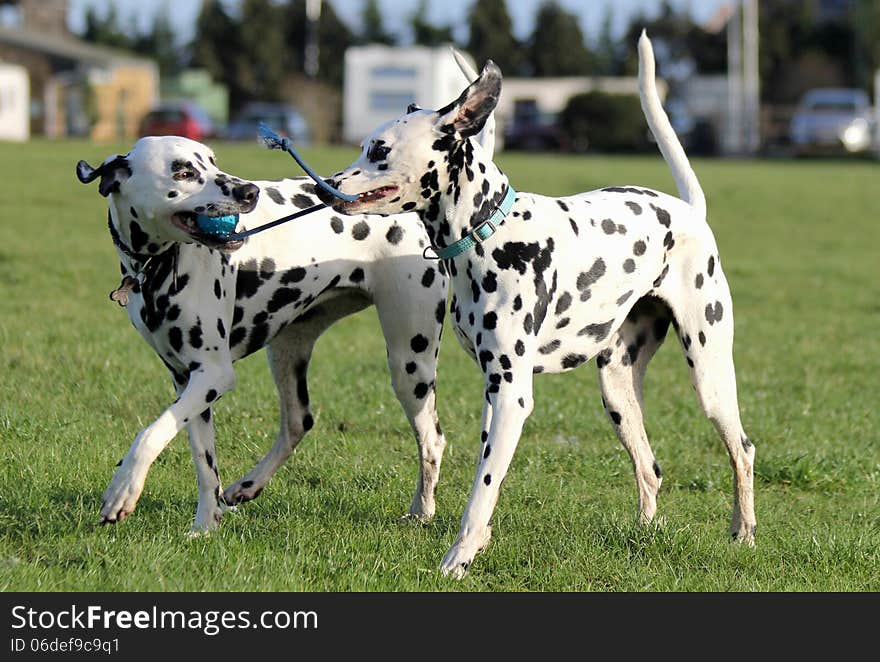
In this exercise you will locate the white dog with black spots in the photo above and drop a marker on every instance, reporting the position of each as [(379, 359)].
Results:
[(555, 282), (203, 302)]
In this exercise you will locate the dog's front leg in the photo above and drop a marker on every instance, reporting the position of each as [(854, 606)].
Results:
[(204, 387), (508, 405)]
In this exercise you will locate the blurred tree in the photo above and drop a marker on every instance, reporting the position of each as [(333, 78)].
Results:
[(425, 32), (374, 26), (681, 44), (557, 47), (334, 38), (607, 58), (259, 67), (491, 36), (216, 47), (159, 43), (105, 30), (865, 21)]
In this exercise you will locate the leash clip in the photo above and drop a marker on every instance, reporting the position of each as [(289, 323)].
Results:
[(425, 255)]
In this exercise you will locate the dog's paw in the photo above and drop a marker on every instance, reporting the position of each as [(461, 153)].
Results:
[(241, 491), (415, 518), (460, 556), (121, 496), (744, 534), (206, 520)]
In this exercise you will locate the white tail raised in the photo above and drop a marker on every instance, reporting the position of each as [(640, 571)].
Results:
[(673, 153)]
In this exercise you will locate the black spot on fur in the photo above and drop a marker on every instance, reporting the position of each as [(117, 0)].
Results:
[(490, 320), (357, 275), (615, 417), (487, 479), (662, 216), (302, 201), (659, 279), (421, 390), (636, 207), (283, 296), (629, 265), (394, 234), (572, 360), (418, 343), (698, 281), (563, 303), (275, 195), (710, 268), (210, 396), (515, 255), (714, 313), (428, 277), (175, 338), (195, 336), (550, 347), (519, 348), (360, 231), (490, 282), (597, 331), (293, 275), (702, 338), (336, 224), (639, 248)]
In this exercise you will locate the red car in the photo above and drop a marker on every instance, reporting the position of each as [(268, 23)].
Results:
[(177, 119)]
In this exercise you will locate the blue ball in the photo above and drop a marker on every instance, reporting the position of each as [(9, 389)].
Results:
[(217, 225)]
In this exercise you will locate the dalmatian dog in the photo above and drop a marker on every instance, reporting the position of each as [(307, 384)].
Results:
[(202, 304), (542, 285)]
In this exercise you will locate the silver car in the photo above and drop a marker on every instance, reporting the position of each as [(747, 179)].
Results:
[(833, 120)]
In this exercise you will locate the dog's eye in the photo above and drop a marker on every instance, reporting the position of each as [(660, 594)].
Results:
[(378, 151), (183, 174)]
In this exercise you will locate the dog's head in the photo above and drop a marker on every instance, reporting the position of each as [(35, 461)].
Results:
[(408, 161), (161, 186)]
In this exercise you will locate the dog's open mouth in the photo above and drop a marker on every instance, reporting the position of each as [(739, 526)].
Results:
[(373, 195), (189, 222)]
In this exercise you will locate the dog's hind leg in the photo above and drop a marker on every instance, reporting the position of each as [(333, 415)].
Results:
[(413, 343), (705, 328), (289, 354), (621, 369)]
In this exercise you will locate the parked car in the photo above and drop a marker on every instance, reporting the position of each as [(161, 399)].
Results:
[(178, 118), (282, 118), (832, 120)]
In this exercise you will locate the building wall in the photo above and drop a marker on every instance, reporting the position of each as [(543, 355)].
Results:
[(121, 97), (14, 103)]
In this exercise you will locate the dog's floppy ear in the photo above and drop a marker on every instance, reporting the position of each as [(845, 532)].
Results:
[(112, 172), (467, 114)]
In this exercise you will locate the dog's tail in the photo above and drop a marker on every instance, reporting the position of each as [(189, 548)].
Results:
[(673, 153)]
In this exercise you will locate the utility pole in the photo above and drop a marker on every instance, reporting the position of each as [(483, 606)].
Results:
[(743, 80), (313, 15), (751, 77), (734, 82)]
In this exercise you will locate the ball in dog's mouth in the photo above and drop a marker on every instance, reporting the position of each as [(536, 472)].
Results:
[(214, 230)]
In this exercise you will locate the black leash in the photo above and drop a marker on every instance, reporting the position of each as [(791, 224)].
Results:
[(235, 236)]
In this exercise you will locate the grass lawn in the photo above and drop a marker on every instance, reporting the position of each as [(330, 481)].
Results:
[(799, 244)]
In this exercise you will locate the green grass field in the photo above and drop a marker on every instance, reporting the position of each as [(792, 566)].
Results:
[(799, 245)]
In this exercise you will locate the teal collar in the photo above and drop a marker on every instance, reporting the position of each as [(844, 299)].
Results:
[(480, 233)]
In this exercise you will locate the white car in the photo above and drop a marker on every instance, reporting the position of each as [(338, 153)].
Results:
[(833, 119)]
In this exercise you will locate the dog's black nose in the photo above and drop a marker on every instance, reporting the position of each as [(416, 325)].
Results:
[(247, 193)]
